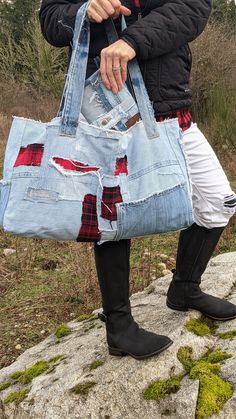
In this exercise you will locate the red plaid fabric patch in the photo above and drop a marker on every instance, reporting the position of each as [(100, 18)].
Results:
[(184, 118), (110, 197), (74, 165), (121, 166), (89, 228), (30, 155)]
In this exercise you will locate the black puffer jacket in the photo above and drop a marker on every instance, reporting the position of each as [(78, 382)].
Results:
[(160, 40)]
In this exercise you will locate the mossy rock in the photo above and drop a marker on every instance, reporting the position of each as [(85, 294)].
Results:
[(159, 389), (213, 394), (83, 317), (95, 364), (217, 356), (16, 375), (5, 385), (62, 331), (30, 373), (213, 390), (184, 355), (199, 327), (228, 335), (203, 367), (83, 388), (56, 358), (17, 396)]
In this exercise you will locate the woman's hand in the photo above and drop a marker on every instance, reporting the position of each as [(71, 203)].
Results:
[(113, 65), (99, 10)]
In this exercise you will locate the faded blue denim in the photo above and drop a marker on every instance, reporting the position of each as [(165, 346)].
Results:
[(46, 201)]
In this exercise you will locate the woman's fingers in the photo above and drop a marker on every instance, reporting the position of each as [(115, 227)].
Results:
[(116, 67), (123, 64), (113, 65), (110, 74), (99, 10), (125, 11)]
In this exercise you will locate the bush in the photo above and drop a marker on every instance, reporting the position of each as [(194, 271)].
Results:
[(32, 61)]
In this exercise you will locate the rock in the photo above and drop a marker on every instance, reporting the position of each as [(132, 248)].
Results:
[(163, 256), (166, 272), (18, 347), (114, 390), (161, 265), (9, 252)]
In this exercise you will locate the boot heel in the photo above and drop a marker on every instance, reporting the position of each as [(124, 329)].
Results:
[(116, 352), (174, 307)]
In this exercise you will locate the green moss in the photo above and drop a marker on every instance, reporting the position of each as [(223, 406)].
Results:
[(5, 385), (184, 355), (15, 375), (95, 364), (213, 394), (62, 331), (159, 389), (217, 356), (17, 396), (83, 317), (30, 373), (228, 335), (201, 368), (83, 388), (198, 327), (56, 358), (213, 390)]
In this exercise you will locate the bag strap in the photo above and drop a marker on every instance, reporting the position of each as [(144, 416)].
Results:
[(136, 78), (76, 75)]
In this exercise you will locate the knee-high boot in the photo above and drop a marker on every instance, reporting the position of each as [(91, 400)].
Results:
[(196, 245), (124, 336)]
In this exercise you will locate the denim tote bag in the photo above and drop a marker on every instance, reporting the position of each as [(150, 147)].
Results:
[(99, 180)]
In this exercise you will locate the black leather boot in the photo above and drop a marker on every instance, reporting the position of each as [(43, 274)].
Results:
[(124, 336), (196, 245)]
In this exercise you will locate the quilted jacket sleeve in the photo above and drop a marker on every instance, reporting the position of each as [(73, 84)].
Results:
[(57, 18), (171, 25)]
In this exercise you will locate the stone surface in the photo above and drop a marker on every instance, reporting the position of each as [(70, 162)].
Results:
[(120, 382)]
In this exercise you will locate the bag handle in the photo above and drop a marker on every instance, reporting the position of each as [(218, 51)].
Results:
[(141, 95), (75, 80)]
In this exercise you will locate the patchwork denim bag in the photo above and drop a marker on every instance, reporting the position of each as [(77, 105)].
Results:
[(112, 177)]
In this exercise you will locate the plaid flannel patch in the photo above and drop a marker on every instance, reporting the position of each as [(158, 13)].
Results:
[(89, 228), (30, 155), (110, 197), (74, 165), (121, 166)]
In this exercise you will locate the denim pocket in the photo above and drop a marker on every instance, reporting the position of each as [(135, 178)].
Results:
[(159, 213), (5, 188), (60, 204)]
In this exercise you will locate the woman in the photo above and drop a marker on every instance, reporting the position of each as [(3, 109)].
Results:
[(158, 33)]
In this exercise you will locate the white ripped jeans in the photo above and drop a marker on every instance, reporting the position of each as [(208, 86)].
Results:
[(214, 202)]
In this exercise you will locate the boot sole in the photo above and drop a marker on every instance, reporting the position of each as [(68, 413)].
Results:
[(174, 307), (119, 352), (177, 308)]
